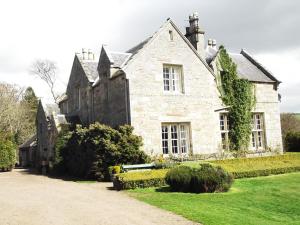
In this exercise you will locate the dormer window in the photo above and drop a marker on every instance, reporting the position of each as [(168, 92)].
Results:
[(172, 78)]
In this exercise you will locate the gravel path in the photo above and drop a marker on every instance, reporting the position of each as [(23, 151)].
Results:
[(28, 199)]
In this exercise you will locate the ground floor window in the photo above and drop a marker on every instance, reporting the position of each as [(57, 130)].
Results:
[(224, 128), (257, 136), (175, 138)]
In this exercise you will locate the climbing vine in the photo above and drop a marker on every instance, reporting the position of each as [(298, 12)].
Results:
[(238, 94)]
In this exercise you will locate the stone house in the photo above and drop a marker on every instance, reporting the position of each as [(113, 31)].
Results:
[(48, 125), (166, 87), (27, 152)]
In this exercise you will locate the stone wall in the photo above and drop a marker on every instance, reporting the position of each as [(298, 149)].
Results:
[(268, 104), (78, 80), (110, 103), (46, 136), (150, 106)]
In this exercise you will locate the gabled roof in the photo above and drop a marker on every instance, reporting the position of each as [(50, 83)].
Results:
[(62, 98), (247, 67), (89, 67), (119, 58), (138, 48), (29, 142)]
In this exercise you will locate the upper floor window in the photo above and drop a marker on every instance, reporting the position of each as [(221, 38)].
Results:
[(172, 78)]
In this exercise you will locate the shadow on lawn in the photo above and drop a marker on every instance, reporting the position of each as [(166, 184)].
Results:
[(164, 189)]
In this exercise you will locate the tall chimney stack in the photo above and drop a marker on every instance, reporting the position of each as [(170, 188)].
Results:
[(196, 35)]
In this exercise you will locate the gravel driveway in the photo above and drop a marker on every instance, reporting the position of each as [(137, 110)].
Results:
[(28, 199)]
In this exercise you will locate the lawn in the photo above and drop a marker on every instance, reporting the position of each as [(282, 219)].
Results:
[(262, 200)]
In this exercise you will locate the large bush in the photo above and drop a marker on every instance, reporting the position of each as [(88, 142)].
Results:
[(7, 154), (89, 152), (206, 178), (292, 142)]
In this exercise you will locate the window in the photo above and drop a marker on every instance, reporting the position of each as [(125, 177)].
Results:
[(257, 136), (224, 128), (171, 35), (77, 98), (175, 138), (172, 78)]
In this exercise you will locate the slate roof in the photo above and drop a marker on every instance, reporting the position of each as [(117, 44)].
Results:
[(247, 67), (210, 54), (139, 46), (248, 70), (29, 142), (90, 69), (119, 58)]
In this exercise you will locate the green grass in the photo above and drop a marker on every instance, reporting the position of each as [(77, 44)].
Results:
[(261, 201)]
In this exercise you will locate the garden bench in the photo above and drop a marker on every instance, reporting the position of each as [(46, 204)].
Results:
[(127, 168)]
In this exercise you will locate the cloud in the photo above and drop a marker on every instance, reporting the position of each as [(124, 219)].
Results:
[(57, 29)]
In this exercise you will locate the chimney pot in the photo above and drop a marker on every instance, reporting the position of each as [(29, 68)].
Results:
[(84, 54), (90, 55), (214, 42), (209, 42)]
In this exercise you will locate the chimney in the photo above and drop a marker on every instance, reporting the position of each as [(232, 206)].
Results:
[(196, 35), (84, 54), (214, 44), (90, 55), (209, 42)]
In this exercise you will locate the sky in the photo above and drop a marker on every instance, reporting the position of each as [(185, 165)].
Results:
[(56, 29)]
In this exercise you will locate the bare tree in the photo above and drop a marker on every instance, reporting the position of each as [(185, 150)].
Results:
[(46, 71)]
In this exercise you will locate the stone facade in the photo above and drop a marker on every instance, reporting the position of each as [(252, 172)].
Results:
[(130, 88), (48, 125)]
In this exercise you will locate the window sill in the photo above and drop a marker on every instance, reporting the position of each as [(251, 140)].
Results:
[(173, 93)]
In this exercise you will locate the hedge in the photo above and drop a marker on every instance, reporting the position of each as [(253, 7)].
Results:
[(239, 168), (266, 172), (141, 179)]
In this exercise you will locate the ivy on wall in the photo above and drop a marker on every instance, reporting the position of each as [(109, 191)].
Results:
[(238, 94)]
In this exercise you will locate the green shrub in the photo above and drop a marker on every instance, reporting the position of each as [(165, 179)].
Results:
[(165, 165), (206, 178), (7, 154), (89, 152), (292, 142), (140, 179), (179, 178)]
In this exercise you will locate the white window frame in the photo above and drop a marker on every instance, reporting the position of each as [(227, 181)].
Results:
[(257, 140), (172, 79), (175, 138), (224, 129)]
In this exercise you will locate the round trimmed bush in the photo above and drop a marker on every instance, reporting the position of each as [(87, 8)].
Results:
[(207, 178), (179, 178)]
